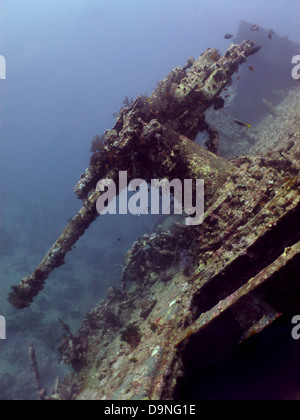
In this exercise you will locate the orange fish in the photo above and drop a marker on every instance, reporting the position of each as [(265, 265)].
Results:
[(251, 68)]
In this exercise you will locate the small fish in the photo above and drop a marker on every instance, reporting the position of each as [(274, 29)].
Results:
[(228, 36), (271, 33), (254, 28), (251, 68), (242, 124), (227, 96), (119, 239), (238, 78)]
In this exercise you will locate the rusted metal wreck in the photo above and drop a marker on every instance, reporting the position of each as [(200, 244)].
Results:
[(237, 272)]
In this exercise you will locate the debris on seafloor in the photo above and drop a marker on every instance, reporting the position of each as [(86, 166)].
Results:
[(34, 366), (36, 372), (164, 125)]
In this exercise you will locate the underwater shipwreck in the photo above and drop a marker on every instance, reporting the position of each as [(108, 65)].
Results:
[(189, 296)]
